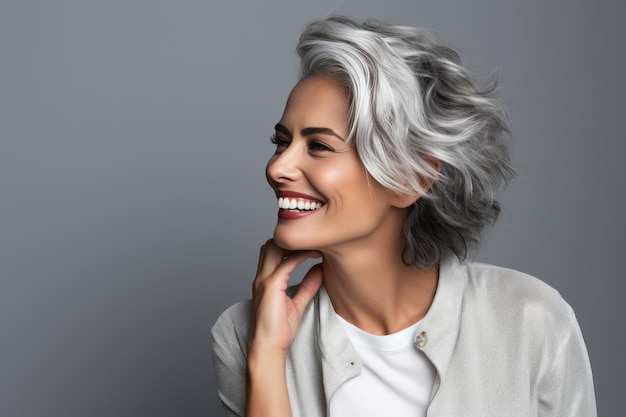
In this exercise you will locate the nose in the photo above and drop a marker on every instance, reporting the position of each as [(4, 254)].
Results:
[(284, 167)]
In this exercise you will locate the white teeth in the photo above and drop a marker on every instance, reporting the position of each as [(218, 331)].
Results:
[(295, 204)]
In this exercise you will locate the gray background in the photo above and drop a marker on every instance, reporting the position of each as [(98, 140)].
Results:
[(133, 137)]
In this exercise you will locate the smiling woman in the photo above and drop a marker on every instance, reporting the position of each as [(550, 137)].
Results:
[(316, 165), (387, 161)]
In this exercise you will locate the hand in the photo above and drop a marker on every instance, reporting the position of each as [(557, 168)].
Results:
[(275, 315)]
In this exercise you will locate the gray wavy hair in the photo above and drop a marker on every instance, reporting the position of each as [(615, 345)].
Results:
[(412, 103)]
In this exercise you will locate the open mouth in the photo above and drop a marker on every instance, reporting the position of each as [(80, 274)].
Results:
[(298, 204)]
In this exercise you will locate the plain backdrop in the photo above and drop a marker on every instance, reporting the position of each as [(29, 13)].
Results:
[(133, 139)]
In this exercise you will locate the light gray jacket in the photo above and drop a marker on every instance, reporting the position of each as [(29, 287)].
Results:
[(503, 344)]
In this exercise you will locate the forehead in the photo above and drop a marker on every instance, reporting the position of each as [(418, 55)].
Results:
[(317, 101)]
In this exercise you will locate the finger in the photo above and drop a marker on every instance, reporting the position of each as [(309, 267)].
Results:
[(279, 278), (262, 253), (270, 258), (274, 256), (309, 286), (289, 263)]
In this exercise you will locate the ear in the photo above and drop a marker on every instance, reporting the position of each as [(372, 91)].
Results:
[(401, 200)]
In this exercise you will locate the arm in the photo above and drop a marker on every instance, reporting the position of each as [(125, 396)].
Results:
[(566, 389), (275, 321), (229, 343)]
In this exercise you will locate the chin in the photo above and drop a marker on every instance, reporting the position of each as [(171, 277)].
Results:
[(289, 242)]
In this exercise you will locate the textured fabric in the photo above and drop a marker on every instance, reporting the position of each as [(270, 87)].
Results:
[(503, 344)]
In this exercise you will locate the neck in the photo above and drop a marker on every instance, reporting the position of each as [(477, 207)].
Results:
[(373, 289)]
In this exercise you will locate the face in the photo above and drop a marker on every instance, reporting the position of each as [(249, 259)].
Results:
[(326, 199)]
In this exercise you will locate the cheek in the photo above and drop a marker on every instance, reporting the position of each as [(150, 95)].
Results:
[(342, 172), (345, 186)]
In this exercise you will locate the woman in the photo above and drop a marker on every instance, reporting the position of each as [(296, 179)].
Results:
[(386, 165)]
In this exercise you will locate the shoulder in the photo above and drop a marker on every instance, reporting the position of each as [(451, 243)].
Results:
[(514, 301), (234, 323), (235, 314), (541, 324), (517, 331), (521, 309), (229, 337), (503, 287)]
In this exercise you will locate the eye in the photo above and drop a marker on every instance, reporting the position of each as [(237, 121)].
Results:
[(281, 144), (319, 146)]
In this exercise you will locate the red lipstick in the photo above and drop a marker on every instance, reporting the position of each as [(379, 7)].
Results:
[(295, 214)]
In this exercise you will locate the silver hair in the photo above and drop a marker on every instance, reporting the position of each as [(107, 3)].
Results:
[(420, 126)]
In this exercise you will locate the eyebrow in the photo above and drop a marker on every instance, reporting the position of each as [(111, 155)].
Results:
[(308, 131)]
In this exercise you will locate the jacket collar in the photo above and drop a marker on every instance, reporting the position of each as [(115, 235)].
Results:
[(340, 360), (442, 322), (440, 327)]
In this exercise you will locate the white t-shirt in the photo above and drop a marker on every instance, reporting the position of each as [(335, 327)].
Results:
[(396, 380)]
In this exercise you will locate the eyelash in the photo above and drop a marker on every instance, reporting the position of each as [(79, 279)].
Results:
[(313, 145), (278, 141)]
